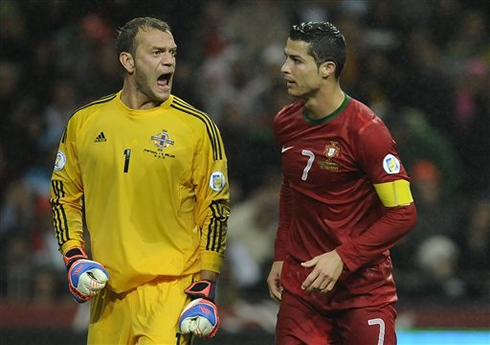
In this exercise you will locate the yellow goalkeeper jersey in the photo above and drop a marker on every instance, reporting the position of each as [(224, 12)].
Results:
[(151, 184)]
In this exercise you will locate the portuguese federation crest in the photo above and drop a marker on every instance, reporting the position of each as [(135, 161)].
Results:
[(331, 150)]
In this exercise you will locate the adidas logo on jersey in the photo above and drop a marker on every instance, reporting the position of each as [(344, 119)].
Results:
[(100, 138)]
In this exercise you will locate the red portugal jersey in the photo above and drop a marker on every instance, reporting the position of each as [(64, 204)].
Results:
[(341, 190)]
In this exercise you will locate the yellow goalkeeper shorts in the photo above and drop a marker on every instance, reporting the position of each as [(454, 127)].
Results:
[(147, 315)]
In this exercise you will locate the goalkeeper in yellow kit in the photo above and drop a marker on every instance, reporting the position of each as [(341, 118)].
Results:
[(148, 172)]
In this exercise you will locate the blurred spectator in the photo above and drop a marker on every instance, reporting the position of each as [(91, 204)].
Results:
[(435, 216), (430, 89), (12, 31), (418, 140), (22, 131), (470, 40), (63, 104), (475, 241), (444, 16), (251, 233), (16, 213), (45, 287), (10, 78), (438, 258), (472, 123), (271, 20), (4, 178), (16, 277)]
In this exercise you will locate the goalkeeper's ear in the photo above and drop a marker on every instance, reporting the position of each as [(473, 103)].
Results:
[(127, 61)]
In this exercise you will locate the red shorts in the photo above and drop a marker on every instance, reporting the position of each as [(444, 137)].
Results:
[(300, 320)]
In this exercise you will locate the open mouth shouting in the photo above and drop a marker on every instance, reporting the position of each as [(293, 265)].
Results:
[(163, 81)]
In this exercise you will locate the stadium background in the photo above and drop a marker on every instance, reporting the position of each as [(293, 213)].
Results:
[(423, 66)]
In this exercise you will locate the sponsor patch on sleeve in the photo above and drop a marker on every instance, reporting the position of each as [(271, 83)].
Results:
[(391, 164), (60, 162), (217, 181)]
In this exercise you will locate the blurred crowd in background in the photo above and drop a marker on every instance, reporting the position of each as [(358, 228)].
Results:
[(422, 66)]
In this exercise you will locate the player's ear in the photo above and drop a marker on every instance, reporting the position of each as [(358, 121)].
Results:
[(327, 69), (126, 59)]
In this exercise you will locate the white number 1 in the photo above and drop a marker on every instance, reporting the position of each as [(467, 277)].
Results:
[(307, 168)]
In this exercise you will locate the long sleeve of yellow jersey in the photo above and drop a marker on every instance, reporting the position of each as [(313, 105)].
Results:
[(212, 195), (67, 194)]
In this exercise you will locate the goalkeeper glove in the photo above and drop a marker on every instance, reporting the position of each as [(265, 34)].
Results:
[(200, 316), (85, 277)]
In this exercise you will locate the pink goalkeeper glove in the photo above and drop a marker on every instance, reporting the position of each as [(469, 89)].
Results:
[(200, 316), (86, 278)]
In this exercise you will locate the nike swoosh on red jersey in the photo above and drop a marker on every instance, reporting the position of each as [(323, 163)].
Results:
[(284, 149)]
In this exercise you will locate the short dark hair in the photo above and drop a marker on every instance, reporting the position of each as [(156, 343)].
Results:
[(326, 42), (125, 41)]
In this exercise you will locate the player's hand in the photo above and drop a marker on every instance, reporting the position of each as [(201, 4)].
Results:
[(274, 281), (86, 278), (327, 269), (200, 317)]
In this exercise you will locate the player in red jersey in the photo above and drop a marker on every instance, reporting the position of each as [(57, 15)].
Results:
[(345, 201)]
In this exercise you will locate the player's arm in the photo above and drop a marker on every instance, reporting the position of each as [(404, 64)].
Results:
[(67, 192), (85, 277), (212, 199), (379, 237), (382, 235), (280, 244), (285, 211), (392, 185), (200, 316)]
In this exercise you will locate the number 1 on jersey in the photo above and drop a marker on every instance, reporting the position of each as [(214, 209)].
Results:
[(311, 158), (127, 155)]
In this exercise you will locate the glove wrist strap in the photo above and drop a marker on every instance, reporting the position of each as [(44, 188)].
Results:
[(201, 289), (73, 255)]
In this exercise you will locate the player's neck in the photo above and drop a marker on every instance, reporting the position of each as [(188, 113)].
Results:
[(325, 102), (135, 99)]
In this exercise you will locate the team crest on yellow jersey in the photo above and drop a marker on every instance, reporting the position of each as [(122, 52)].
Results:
[(162, 140), (331, 150)]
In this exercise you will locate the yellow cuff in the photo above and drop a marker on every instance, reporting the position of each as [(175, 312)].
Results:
[(211, 261), (70, 244), (394, 193)]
